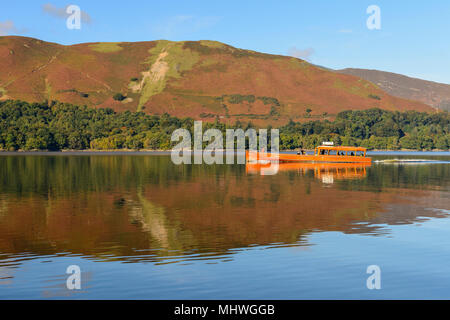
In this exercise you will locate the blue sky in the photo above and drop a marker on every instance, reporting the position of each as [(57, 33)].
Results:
[(413, 39)]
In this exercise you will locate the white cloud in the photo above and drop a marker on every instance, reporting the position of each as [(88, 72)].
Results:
[(62, 14), (304, 54), (7, 27)]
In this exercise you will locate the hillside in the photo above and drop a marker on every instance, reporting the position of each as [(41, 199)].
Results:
[(432, 93), (204, 80)]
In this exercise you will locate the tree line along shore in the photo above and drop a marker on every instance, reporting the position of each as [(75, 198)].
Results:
[(56, 126)]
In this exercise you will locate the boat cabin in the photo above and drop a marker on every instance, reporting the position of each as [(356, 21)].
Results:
[(340, 151)]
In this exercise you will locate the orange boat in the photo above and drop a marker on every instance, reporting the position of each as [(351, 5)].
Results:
[(321, 154)]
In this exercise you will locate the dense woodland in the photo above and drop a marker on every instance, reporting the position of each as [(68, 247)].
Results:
[(61, 126)]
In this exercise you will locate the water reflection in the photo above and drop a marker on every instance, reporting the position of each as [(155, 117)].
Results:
[(144, 208), (326, 172)]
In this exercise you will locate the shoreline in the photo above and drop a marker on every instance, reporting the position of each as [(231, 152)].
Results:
[(168, 152)]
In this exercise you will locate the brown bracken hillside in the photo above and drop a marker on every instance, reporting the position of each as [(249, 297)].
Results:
[(432, 93), (204, 80)]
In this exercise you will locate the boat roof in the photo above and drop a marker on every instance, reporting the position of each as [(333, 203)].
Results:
[(342, 148)]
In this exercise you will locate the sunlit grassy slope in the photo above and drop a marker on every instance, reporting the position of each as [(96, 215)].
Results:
[(203, 79)]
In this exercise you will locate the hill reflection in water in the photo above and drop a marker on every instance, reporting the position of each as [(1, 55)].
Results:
[(144, 208)]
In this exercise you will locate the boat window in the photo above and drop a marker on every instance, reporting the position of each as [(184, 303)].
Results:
[(332, 152), (351, 153), (341, 153), (360, 153), (322, 152)]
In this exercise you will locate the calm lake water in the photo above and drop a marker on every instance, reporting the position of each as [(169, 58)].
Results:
[(140, 227)]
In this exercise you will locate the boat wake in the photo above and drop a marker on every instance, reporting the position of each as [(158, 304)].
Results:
[(410, 161)]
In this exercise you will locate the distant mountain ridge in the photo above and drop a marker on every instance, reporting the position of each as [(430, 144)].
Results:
[(432, 93), (200, 79)]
